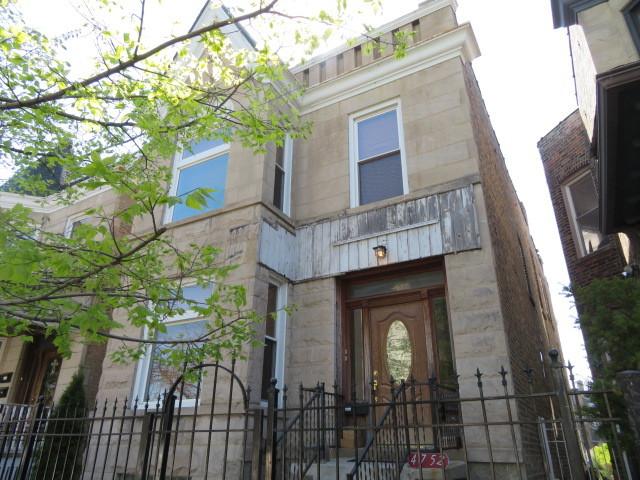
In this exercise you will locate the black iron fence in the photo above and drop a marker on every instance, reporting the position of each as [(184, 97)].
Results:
[(481, 427)]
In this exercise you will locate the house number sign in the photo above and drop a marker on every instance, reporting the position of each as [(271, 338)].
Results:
[(428, 460)]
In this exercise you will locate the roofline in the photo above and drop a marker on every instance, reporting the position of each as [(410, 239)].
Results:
[(424, 9), (565, 12)]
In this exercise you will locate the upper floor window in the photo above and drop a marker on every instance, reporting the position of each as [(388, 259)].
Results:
[(378, 169), (282, 179), (154, 376), (70, 228), (582, 208), (202, 165)]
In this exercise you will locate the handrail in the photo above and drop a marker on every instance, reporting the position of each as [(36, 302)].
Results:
[(286, 428), (361, 458), (296, 426)]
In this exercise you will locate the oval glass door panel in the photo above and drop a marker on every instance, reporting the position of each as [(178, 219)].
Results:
[(398, 351)]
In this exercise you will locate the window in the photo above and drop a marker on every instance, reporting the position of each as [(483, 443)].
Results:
[(202, 165), (274, 338), (282, 180), (631, 13), (154, 377), (73, 223), (583, 210), (376, 155)]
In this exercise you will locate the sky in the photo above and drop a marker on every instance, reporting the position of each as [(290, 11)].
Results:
[(525, 75)]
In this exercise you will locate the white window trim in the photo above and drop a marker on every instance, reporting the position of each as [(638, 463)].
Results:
[(68, 226), (281, 332), (288, 169), (142, 369), (180, 163), (573, 218), (359, 116)]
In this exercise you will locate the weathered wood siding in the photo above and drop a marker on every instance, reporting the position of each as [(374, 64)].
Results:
[(414, 229)]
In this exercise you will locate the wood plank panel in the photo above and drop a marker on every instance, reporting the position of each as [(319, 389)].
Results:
[(414, 229)]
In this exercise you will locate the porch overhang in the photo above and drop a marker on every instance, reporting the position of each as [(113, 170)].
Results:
[(414, 228), (618, 146)]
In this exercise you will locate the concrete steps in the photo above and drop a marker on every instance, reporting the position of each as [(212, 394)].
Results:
[(332, 470)]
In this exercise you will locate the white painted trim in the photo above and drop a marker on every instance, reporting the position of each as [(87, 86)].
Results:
[(281, 333), (48, 204), (425, 8), (457, 43), (288, 173), (354, 119), (573, 219), (68, 226), (180, 163)]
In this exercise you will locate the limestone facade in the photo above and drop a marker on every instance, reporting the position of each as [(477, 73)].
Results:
[(496, 294)]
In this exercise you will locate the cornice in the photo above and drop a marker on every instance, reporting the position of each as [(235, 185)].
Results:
[(565, 12), (425, 8), (48, 204), (458, 43)]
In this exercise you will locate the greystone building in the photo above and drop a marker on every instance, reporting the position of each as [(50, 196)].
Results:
[(393, 223)]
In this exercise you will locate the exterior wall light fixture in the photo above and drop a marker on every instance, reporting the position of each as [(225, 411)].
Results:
[(380, 251)]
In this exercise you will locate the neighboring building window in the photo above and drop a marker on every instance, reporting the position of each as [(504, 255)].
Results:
[(377, 161), (155, 377), (274, 338), (282, 180), (583, 210), (202, 165), (632, 16)]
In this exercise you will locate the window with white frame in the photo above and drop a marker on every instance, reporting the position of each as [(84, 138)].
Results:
[(274, 338), (73, 223), (154, 376), (282, 178), (202, 165), (377, 161), (582, 201)]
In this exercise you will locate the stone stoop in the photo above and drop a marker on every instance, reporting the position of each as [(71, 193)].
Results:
[(454, 471)]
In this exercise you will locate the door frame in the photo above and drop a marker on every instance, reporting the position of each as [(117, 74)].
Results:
[(424, 295)]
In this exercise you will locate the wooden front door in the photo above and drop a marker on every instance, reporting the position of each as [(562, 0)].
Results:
[(400, 344), (401, 348)]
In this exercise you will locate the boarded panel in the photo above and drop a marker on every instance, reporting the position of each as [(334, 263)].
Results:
[(414, 229)]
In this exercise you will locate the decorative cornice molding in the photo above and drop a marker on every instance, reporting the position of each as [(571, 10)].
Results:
[(460, 42), (565, 12), (48, 204), (424, 9)]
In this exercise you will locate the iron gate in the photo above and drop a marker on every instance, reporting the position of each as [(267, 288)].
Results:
[(210, 428)]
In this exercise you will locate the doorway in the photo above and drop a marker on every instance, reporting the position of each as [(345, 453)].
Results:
[(395, 327)]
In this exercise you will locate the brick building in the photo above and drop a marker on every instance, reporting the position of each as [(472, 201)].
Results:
[(402, 155)]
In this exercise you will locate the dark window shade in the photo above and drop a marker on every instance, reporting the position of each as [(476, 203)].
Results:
[(278, 188), (272, 306), (443, 342), (270, 344), (268, 365), (380, 178)]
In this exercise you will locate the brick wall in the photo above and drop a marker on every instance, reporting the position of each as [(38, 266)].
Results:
[(528, 319), (565, 152)]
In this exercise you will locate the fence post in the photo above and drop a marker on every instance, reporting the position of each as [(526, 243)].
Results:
[(629, 382), (566, 417), (270, 453), (146, 437), (256, 447), (27, 453), (167, 421)]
